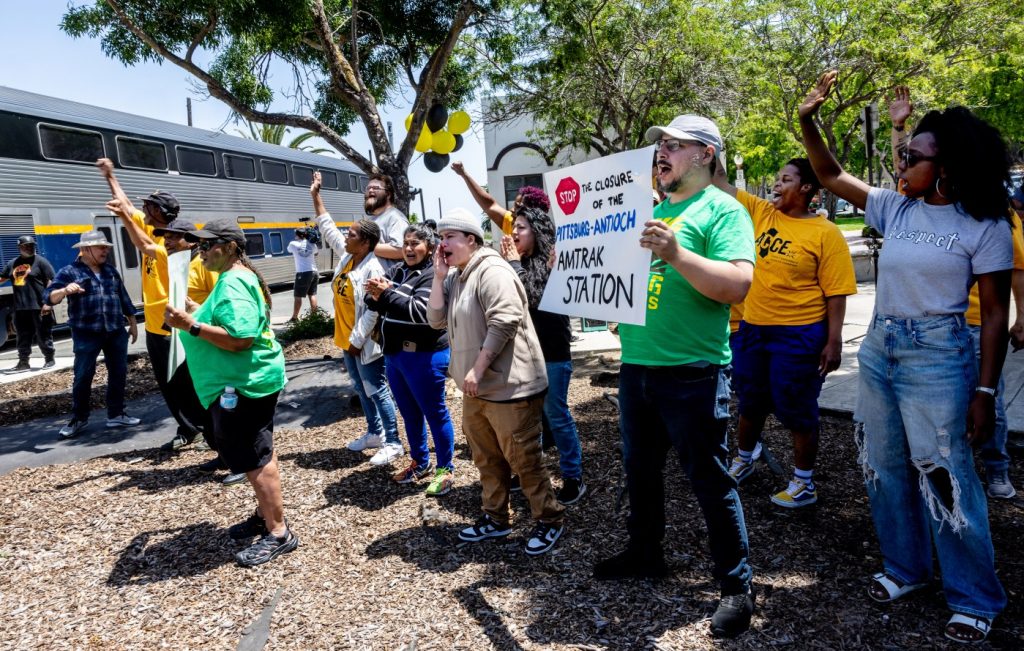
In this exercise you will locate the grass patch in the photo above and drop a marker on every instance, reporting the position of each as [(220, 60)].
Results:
[(850, 223)]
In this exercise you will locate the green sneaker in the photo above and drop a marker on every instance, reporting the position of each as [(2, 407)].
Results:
[(441, 483)]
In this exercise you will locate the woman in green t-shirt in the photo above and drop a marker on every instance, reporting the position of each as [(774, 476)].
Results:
[(237, 368)]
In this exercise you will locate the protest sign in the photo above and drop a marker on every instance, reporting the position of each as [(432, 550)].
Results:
[(600, 208), (177, 275)]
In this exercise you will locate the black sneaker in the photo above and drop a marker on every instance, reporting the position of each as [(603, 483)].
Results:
[(732, 616), (632, 564), (49, 363), (484, 528), (22, 367), (252, 526), (515, 485), (211, 466), (543, 537), (572, 491), (179, 441), (267, 549)]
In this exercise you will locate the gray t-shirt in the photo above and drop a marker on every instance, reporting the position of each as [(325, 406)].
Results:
[(392, 223), (931, 254)]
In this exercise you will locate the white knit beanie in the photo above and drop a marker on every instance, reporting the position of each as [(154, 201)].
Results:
[(460, 219)]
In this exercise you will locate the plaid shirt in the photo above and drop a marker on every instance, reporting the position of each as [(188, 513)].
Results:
[(103, 306)]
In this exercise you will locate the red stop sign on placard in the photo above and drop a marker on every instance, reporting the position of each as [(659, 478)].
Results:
[(567, 194)]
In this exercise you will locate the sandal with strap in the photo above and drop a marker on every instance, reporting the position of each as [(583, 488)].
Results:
[(893, 590), (968, 629)]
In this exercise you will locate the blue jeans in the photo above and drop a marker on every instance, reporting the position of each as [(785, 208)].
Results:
[(686, 408), (375, 397), (993, 451), (417, 382), (87, 346), (917, 377), (559, 422)]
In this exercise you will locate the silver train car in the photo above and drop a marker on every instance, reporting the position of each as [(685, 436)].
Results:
[(50, 188)]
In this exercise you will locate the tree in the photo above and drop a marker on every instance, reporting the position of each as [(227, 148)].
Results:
[(275, 133), (595, 74), (347, 57)]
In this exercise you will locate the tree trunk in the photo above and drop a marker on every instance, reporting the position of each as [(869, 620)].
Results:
[(400, 179)]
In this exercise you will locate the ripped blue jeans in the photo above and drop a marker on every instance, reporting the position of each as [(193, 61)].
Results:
[(916, 379)]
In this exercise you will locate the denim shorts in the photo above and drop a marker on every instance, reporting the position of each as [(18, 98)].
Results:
[(775, 370)]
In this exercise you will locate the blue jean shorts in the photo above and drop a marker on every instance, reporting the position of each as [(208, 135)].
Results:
[(775, 371)]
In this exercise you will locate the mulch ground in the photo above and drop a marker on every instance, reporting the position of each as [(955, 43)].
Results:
[(131, 552)]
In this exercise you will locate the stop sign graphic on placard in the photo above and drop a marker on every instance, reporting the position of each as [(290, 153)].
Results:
[(567, 194)]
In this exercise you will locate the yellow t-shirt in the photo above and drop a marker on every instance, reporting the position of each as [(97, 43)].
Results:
[(973, 314), (799, 263), (200, 280), (344, 307), (735, 316), (154, 281)]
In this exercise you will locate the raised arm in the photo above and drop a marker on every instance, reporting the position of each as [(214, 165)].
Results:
[(487, 203), (106, 167), (140, 238), (900, 110), (832, 176), (328, 229)]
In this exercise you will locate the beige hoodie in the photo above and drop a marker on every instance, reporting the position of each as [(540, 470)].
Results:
[(486, 307)]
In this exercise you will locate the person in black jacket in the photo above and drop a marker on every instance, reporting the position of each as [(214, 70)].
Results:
[(416, 359), (30, 273), (529, 250)]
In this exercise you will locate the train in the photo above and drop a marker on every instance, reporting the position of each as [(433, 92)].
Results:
[(50, 187)]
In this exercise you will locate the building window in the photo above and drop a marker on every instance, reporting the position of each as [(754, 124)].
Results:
[(513, 183), (141, 154), (239, 167), (274, 172), (65, 143), (254, 245), (302, 176), (196, 161), (276, 243)]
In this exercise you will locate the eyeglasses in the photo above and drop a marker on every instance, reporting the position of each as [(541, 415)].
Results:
[(673, 145), (374, 188), (911, 158), (206, 245)]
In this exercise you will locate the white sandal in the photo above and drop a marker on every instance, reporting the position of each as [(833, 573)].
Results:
[(892, 589), (980, 624)]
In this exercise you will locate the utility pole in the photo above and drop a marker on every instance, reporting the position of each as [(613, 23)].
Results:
[(869, 125), (188, 109)]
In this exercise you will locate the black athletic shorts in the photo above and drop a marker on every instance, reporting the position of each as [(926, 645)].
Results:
[(245, 435), (305, 284)]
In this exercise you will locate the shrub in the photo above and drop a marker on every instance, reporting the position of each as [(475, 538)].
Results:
[(310, 325)]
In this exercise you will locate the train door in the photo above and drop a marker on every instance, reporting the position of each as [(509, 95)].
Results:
[(12, 226), (125, 257)]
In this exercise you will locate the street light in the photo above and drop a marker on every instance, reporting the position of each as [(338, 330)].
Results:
[(741, 181)]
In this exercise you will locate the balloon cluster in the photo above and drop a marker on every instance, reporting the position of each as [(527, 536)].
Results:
[(436, 141)]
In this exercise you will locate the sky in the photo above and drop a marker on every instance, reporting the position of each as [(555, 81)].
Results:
[(40, 58)]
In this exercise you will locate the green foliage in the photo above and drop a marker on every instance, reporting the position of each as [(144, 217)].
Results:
[(275, 133), (312, 324)]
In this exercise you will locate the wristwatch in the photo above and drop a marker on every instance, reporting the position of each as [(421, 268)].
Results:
[(195, 329), (989, 390)]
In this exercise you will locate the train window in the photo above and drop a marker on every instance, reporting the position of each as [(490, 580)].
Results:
[(65, 143), (131, 256), (141, 154), (254, 244), (353, 183), (239, 167), (276, 244), (302, 176), (330, 180), (364, 182), (274, 172), (106, 233), (196, 161)]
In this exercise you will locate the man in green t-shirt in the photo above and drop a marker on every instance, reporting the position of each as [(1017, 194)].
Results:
[(674, 382)]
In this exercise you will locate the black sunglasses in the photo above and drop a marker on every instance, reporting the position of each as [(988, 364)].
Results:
[(911, 158), (206, 245)]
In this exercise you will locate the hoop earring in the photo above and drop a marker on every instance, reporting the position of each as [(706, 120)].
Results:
[(937, 190)]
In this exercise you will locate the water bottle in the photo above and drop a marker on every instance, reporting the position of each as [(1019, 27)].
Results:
[(228, 399)]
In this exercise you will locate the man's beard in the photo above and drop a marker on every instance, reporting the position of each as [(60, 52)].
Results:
[(373, 203)]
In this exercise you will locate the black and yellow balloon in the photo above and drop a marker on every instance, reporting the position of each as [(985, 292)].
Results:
[(440, 135)]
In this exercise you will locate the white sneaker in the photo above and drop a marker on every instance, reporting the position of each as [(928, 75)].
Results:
[(365, 442), (124, 420), (388, 453), (72, 428), (999, 486)]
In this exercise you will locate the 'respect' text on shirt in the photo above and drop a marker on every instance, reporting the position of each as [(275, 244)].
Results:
[(923, 237)]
